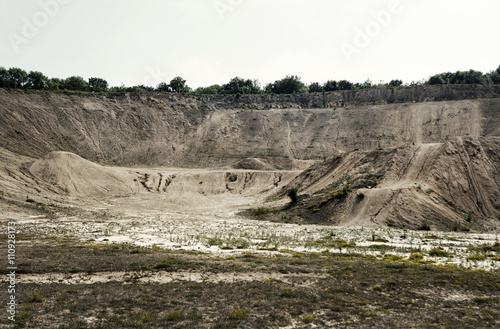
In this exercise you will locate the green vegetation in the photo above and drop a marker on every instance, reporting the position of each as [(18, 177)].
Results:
[(238, 314), (324, 288), (425, 227), (293, 194), (416, 257), (17, 78), (308, 318), (291, 84), (438, 252)]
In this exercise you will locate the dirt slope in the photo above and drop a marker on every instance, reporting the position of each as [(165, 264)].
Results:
[(69, 174), (452, 185), (176, 130)]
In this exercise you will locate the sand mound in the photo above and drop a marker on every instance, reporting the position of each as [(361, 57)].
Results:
[(452, 185), (273, 164), (68, 173)]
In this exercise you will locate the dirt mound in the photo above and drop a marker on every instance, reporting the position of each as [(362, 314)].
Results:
[(453, 185), (273, 164), (69, 174)]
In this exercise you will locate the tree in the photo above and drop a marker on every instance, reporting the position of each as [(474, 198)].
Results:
[(75, 83), (474, 77), (241, 86), (138, 89), (315, 87), (178, 85), (495, 77), (163, 86), (211, 90), (436, 80), (498, 70), (37, 80), (365, 85), (291, 84), (17, 77), (293, 194), (345, 85), (55, 83), (98, 85), (4, 77), (395, 83), (331, 85)]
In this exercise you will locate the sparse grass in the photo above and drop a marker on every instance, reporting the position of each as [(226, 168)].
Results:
[(175, 317), (342, 193), (487, 248), (438, 252), (478, 257), (36, 297), (309, 296)]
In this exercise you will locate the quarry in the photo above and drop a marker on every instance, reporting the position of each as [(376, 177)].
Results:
[(174, 210)]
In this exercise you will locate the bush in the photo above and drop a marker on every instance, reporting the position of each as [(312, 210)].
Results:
[(476, 257), (36, 297), (261, 211), (308, 318), (438, 252), (175, 317), (293, 194), (425, 227), (416, 257), (238, 314), (342, 193)]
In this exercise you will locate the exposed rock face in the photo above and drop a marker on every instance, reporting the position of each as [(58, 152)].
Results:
[(189, 130)]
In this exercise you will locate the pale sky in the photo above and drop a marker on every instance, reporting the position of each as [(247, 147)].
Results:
[(211, 41)]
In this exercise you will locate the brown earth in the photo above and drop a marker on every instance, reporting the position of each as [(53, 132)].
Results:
[(203, 131), (430, 161), (452, 185)]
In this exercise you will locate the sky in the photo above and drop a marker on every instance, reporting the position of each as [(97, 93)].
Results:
[(134, 42)]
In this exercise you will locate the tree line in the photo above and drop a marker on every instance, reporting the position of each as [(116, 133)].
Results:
[(17, 78)]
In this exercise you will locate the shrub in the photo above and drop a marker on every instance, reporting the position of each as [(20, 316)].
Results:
[(438, 252), (469, 217), (261, 211), (361, 195), (416, 257), (425, 227), (342, 193), (238, 314), (175, 317), (36, 297), (293, 194), (478, 257), (308, 318), (392, 258)]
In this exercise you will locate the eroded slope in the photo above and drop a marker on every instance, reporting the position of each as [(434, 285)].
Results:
[(452, 185), (177, 130)]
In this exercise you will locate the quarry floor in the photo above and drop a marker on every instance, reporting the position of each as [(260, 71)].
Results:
[(188, 260)]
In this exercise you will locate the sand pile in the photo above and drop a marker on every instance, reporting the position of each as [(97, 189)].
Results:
[(69, 174)]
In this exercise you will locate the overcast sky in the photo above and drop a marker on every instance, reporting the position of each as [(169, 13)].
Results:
[(210, 41)]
